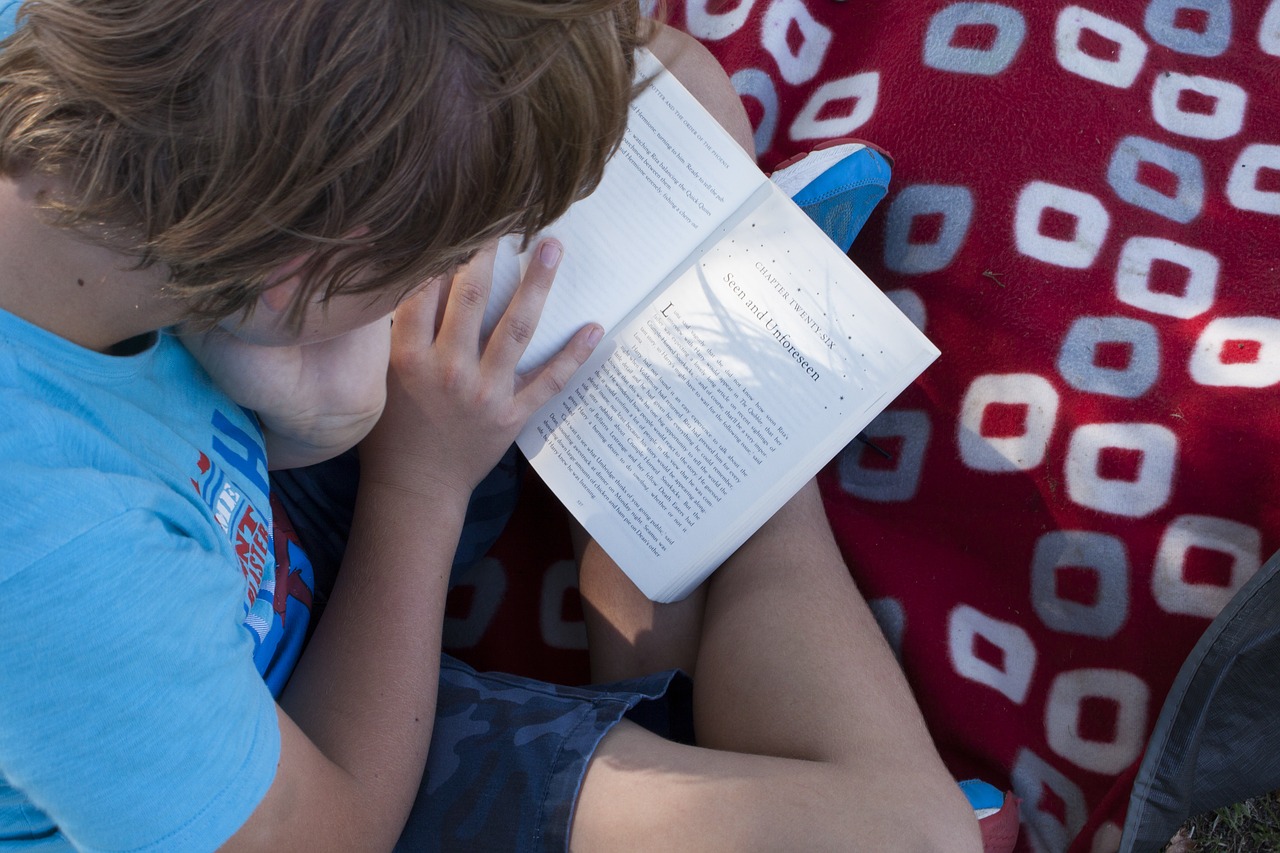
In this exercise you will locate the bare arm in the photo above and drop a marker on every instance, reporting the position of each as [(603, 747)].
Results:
[(815, 740), (700, 73), (357, 715)]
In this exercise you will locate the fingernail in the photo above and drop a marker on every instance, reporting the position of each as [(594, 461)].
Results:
[(549, 254), (594, 336)]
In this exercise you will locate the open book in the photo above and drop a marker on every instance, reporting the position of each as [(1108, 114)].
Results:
[(743, 349)]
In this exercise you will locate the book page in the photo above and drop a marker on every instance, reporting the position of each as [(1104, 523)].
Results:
[(710, 406), (676, 177)]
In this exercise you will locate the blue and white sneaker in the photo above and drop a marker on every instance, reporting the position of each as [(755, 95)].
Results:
[(997, 814), (837, 184)]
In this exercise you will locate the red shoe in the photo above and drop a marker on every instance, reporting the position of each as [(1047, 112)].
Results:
[(997, 815)]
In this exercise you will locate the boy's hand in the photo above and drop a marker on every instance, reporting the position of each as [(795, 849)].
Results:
[(314, 400), (454, 401)]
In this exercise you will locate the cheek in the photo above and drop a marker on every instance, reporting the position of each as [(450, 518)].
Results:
[(343, 314)]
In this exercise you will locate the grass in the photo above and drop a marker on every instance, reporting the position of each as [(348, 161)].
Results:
[(1249, 827)]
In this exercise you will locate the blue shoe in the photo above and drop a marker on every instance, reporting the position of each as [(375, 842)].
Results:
[(997, 814), (837, 184)]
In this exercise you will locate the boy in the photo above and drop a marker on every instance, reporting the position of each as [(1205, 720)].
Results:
[(291, 170)]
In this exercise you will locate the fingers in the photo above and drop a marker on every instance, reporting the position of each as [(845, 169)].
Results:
[(417, 316), (551, 378), (449, 319), (455, 396), (468, 297), (515, 329)]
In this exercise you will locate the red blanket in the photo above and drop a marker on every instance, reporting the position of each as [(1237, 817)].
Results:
[(1084, 216)]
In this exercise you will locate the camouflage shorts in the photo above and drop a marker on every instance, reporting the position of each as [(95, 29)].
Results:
[(508, 755)]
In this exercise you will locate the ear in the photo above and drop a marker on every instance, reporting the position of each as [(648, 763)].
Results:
[(283, 285), (278, 297), (283, 282)]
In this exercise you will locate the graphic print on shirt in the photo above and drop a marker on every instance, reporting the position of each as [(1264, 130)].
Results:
[(292, 595), (232, 481)]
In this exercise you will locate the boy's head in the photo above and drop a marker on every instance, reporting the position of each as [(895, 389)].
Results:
[(383, 140)]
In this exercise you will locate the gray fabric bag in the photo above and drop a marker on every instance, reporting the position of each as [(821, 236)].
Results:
[(1217, 739)]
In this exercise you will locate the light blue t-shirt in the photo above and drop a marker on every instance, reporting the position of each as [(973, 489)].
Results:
[(134, 544), (8, 14)]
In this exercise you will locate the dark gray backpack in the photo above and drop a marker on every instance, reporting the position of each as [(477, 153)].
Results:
[(1217, 739)]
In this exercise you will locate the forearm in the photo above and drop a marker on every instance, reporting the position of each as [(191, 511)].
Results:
[(362, 697), (380, 633), (357, 715)]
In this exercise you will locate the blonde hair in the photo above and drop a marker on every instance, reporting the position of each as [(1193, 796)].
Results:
[(389, 138)]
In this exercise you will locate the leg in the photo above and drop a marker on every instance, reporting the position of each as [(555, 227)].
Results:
[(809, 737), (508, 755), (627, 634)]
